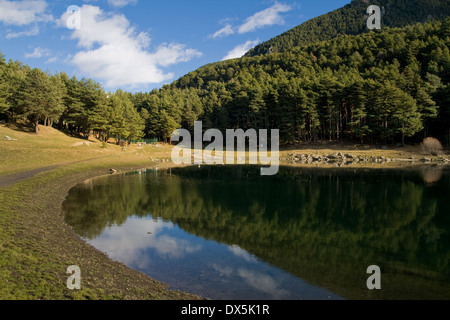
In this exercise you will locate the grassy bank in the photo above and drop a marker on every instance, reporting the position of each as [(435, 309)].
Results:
[(36, 246)]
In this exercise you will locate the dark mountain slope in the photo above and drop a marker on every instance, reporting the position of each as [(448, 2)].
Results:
[(351, 20)]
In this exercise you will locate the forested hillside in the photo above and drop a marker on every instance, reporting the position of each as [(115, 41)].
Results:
[(351, 20), (389, 86), (379, 87)]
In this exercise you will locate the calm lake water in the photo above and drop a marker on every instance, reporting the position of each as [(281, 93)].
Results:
[(228, 233)]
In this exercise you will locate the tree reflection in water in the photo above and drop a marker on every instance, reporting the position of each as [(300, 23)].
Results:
[(325, 226)]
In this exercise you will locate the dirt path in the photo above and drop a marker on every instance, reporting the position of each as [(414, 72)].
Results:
[(11, 179)]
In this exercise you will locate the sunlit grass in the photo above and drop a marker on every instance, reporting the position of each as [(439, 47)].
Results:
[(52, 147)]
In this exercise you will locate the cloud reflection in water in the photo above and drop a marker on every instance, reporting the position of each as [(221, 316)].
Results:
[(186, 262)]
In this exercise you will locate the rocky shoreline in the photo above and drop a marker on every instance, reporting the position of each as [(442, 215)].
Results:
[(339, 158)]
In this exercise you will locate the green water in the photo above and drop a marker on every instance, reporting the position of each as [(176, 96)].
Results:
[(229, 233)]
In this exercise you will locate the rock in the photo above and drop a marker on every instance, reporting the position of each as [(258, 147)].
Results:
[(10, 139), (426, 160), (334, 156), (77, 144)]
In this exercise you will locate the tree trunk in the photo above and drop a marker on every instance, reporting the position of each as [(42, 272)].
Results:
[(36, 126)]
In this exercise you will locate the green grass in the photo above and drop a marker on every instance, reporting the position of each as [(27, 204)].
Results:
[(52, 147), (36, 246)]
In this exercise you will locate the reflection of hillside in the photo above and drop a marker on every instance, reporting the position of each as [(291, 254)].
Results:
[(101, 203), (324, 226)]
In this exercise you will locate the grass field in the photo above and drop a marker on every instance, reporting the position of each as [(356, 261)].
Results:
[(51, 147), (36, 246)]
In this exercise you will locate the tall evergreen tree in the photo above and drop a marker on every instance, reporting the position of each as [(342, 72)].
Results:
[(34, 96), (4, 86)]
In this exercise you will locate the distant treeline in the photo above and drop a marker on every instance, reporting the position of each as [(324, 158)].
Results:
[(379, 87), (81, 107)]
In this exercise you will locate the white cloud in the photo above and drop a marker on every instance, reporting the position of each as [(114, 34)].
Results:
[(225, 31), (173, 53), (240, 50), (129, 242), (21, 13), (34, 31), (239, 252), (52, 60), (38, 53), (267, 17), (263, 282), (114, 52), (121, 3)]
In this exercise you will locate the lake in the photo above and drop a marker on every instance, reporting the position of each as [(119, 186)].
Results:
[(228, 233)]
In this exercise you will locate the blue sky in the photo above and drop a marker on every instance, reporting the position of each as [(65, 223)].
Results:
[(139, 45)]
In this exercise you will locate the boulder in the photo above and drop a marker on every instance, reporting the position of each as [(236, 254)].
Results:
[(10, 139), (334, 156)]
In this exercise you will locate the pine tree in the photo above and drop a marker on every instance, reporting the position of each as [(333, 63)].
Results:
[(167, 125), (152, 123), (55, 105), (356, 106), (405, 118), (14, 75), (257, 107), (117, 121), (74, 116), (4, 86), (426, 107), (33, 97)]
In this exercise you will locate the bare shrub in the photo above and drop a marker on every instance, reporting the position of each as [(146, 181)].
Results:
[(432, 146)]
